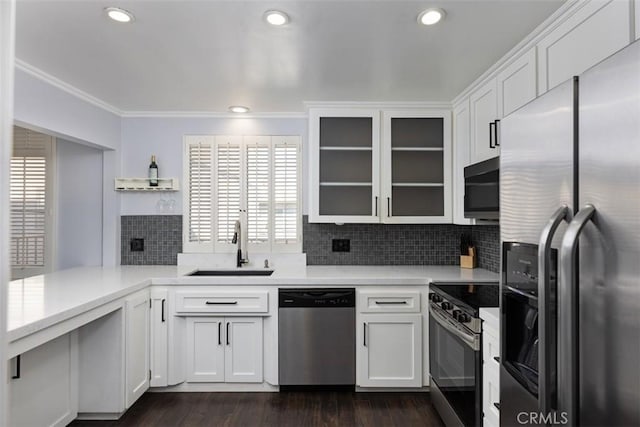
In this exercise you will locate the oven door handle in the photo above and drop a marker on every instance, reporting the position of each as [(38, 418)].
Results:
[(469, 339)]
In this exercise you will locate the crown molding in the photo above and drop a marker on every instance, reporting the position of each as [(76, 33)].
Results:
[(80, 94), (62, 85), (212, 114), (378, 104)]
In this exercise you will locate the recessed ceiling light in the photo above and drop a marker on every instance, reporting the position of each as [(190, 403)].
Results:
[(276, 17), (119, 15), (238, 109), (431, 16)]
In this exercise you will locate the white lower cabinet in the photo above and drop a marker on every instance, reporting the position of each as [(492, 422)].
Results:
[(159, 338), (137, 346), (43, 388), (224, 349), (490, 368), (389, 350)]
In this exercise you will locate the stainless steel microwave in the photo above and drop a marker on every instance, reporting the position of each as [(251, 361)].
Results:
[(482, 190)]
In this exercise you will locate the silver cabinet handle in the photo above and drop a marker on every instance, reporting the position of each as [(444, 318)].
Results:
[(567, 324), (544, 325), (221, 302)]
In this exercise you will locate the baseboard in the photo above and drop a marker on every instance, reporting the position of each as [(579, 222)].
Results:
[(217, 387), (90, 416), (392, 389)]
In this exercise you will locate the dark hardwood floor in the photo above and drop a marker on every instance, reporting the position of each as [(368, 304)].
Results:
[(295, 409)]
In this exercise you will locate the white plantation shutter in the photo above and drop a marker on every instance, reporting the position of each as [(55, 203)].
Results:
[(230, 175), (228, 186), (199, 197), (286, 191), (29, 200), (258, 183)]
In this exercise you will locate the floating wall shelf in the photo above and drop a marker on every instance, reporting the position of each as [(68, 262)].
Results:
[(142, 184)]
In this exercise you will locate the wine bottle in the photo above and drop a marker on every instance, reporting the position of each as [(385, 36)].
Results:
[(153, 172)]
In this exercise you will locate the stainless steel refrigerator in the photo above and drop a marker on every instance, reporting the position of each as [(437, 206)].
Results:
[(570, 236)]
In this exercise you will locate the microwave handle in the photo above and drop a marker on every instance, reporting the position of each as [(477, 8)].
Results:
[(545, 326)]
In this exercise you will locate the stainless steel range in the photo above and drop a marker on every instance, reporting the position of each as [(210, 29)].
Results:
[(455, 352)]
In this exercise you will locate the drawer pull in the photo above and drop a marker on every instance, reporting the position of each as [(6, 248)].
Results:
[(391, 302), (221, 302), (497, 359)]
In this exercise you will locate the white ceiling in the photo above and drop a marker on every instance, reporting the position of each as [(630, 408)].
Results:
[(184, 55)]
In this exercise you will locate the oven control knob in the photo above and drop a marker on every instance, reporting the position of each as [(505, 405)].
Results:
[(446, 305), (463, 318), (456, 313), (435, 297)]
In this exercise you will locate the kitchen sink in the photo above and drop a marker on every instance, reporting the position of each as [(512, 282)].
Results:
[(238, 272)]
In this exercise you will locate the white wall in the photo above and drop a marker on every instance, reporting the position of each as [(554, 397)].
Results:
[(49, 109), (7, 38), (45, 107), (142, 137), (78, 196)]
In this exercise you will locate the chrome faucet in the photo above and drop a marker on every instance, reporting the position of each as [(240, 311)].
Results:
[(237, 238)]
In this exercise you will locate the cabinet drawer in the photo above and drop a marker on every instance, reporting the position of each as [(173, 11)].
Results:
[(222, 302), (396, 301)]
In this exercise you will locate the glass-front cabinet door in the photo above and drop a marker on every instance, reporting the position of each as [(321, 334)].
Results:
[(345, 165), (416, 166)]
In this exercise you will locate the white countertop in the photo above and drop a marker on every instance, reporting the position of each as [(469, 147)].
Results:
[(42, 301)]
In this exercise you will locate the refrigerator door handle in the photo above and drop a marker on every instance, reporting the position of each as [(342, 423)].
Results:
[(567, 315), (544, 325)]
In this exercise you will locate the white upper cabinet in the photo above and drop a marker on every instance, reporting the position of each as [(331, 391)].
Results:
[(344, 165), (596, 30), (637, 10), (517, 83), (483, 107), (416, 166), (358, 177), (461, 158)]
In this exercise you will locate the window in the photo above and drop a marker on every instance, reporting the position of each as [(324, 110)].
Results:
[(253, 179), (30, 203)]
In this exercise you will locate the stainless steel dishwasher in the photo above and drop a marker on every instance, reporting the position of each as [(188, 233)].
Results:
[(316, 337)]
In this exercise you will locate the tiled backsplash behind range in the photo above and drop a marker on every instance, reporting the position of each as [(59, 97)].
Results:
[(162, 236), (371, 244), (399, 244)]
